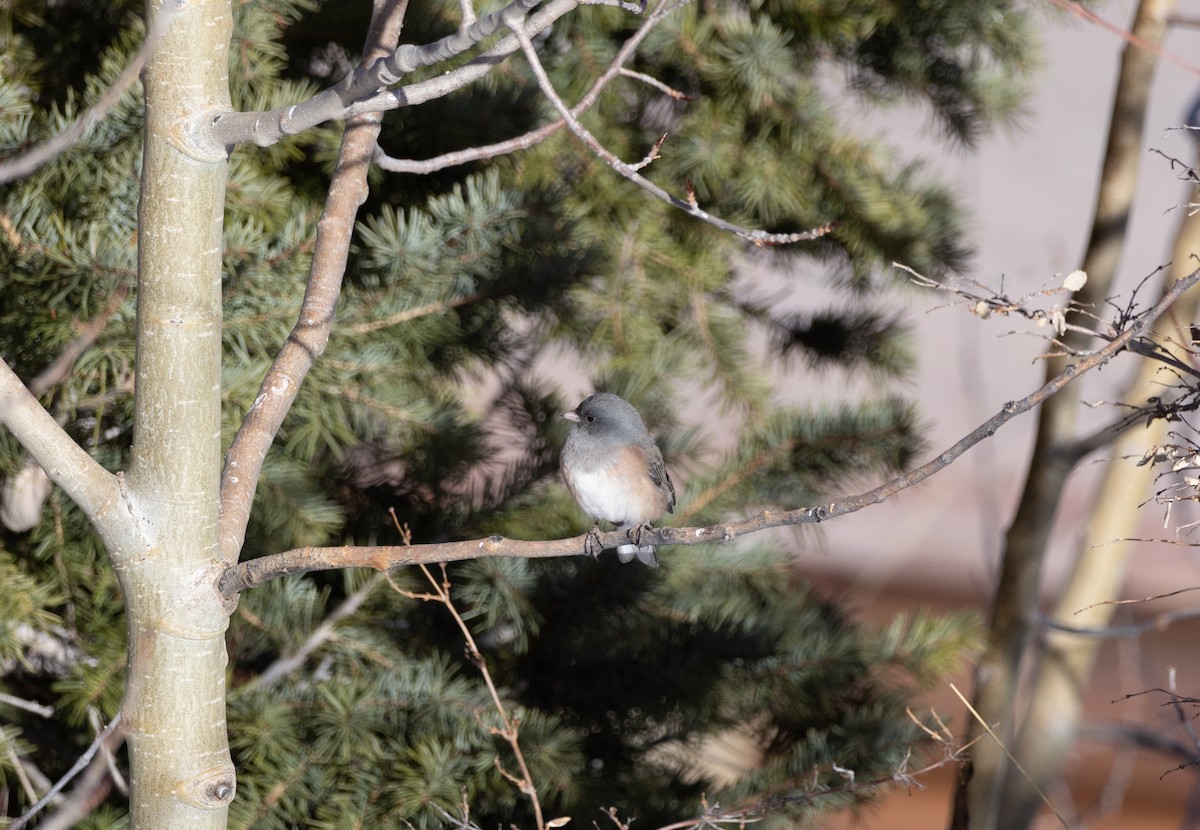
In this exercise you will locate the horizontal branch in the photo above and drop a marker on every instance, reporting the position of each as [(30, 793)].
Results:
[(536, 136), (384, 557), (365, 90)]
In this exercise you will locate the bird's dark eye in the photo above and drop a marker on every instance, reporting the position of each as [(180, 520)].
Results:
[(590, 418)]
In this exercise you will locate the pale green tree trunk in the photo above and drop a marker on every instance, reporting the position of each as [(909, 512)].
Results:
[(181, 772)]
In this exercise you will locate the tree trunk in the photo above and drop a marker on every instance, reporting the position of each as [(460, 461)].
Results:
[(181, 772), (983, 790), (1067, 660)]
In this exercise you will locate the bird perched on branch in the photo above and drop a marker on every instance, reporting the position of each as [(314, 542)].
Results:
[(615, 471)]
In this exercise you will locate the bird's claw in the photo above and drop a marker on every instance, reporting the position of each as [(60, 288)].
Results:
[(591, 542), (634, 534)]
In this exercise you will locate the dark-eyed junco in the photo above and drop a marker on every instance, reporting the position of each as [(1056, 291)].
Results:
[(615, 471)]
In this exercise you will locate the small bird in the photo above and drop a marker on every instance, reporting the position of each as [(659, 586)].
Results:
[(615, 471)]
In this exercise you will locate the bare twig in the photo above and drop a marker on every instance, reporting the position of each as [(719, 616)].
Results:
[(1159, 622), (650, 156), (1138, 601), (759, 237), (89, 793), (288, 663), (984, 302), (657, 84), (30, 160), (540, 134), (1176, 701), (1016, 764), (384, 557), (78, 767), (509, 729), (1129, 37), (27, 705), (18, 768), (1184, 720), (410, 314), (89, 332), (110, 762)]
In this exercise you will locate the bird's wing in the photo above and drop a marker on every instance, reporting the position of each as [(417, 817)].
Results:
[(658, 474)]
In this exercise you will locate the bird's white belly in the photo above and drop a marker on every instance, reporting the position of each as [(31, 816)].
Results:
[(605, 496)]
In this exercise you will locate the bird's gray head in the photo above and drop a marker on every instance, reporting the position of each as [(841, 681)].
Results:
[(608, 417)]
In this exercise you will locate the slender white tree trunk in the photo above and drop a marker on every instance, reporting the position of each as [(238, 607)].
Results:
[(182, 775)]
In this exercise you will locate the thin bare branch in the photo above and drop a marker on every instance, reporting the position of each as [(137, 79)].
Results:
[(89, 793), (89, 332), (1129, 37), (290, 662), (78, 767), (510, 727), (30, 160), (1159, 622), (1175, 700), (92, 487), (106, 756), (14, 762), (1016, 764), (650, 156), (624, 5), (1184, 720), (1138, 601), (529, 139), (384, 557), (758, 237), (410, 314), (27, 705), (657, 84)]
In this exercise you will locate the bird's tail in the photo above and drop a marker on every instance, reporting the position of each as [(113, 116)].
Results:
[(643, 553)]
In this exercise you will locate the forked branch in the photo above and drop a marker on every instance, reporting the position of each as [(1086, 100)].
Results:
[(688, 206), (509, 729), (366, 89), (536, 136)]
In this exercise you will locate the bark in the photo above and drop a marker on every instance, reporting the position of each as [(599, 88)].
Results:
[(983, 789), (181, 774)]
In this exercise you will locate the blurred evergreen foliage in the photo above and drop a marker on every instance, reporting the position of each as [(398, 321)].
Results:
[(435, 398)]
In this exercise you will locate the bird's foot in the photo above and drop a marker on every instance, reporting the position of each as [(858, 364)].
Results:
[(591, 542), (634, 534)]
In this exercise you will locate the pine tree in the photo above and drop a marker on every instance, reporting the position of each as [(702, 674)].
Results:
[(469, 279)]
